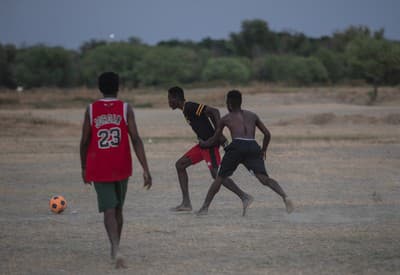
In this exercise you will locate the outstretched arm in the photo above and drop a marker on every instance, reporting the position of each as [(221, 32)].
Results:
[(84, 145), (138, 147), (267, 136)]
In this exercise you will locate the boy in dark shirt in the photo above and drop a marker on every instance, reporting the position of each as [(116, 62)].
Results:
[(198, 116)]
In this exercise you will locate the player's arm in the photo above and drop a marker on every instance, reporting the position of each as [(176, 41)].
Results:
[(267, 136), (215, 138), (84, 145), (213, 114), (215, 117), (138, 147)]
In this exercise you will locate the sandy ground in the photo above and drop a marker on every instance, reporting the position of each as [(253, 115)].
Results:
[(338, 162)]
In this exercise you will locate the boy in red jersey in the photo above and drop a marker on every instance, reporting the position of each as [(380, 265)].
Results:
[(202, 119), (106, 157)]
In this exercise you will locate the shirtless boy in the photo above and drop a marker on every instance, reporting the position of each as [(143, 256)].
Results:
[(243, 149)]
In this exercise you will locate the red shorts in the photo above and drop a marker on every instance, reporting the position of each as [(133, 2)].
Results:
[(210, 155)]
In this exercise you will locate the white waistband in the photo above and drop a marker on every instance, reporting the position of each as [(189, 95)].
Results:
[(249, 139)]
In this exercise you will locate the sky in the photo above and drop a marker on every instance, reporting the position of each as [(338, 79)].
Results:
[(70, 23)]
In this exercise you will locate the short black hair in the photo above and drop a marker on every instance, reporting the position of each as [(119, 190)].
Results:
[(177, 92), (234, 97), (108, 83)]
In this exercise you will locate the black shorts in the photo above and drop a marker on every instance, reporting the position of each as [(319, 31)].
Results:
[(242, 151)]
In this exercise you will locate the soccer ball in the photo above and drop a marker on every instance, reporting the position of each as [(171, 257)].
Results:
[(58, 204)]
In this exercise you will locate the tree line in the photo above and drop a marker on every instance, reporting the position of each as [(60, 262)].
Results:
[(256, 53)]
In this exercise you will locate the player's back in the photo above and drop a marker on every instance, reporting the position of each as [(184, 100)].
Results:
[(242, 124), (109, 156)]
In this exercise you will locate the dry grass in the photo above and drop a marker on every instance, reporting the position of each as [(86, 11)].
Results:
[(338, 162), (52, 98)]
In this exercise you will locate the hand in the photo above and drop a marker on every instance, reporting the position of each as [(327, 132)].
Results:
[(264, 154), (201, 143), (83, 177), (147, 180), (223, 141)]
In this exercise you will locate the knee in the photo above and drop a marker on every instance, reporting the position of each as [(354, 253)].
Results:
[(265, 180), (109, 214), (120, 217), (214, 173), (182, 163), (179, 165), (217, 183), (118, 212)]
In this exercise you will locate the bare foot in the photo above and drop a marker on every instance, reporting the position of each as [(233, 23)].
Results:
[(289, 205), (376, 197), (246, 203), (202, 212), (120, 262), (181, 208)]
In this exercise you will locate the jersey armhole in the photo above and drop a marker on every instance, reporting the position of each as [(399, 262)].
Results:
[(91, 114), (126, 112)]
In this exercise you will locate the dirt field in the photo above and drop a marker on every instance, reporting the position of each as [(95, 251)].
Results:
[(337, 159)]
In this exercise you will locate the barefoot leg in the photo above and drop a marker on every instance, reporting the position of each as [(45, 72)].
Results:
[(181, 208), (247, 201), (289, 205), (120, 262)]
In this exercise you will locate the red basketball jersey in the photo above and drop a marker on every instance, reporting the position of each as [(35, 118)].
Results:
[(109, 154)]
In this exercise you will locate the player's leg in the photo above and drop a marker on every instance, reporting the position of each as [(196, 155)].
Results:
[(228, 166), (181, 165), (254, 162), (111, 225), (191, 157), (214, 188), (247, 199), (213, 159), (108, 201), (114, 233), (120, 221), (274, 185), (120, 189)]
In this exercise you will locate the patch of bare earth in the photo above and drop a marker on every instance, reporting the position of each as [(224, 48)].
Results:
[(339, 163)]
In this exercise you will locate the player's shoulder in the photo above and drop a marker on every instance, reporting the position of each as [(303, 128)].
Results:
[(226, 117), (193, 108), (250, 113), (191, 104)]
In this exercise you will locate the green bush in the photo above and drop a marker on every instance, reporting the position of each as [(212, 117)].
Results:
[(122, 58), (45, 66), (234, 70), (334, 62), (163, 65), (291, 69), (375, 60)]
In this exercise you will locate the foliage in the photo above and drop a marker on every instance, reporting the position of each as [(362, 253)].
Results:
[(164, 65), (335, 64), (45, 66), (254, 53), (119, 57), (376, 60), (291, 69), (254, 40), (232, 69), (373, 59), (7, 58)]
